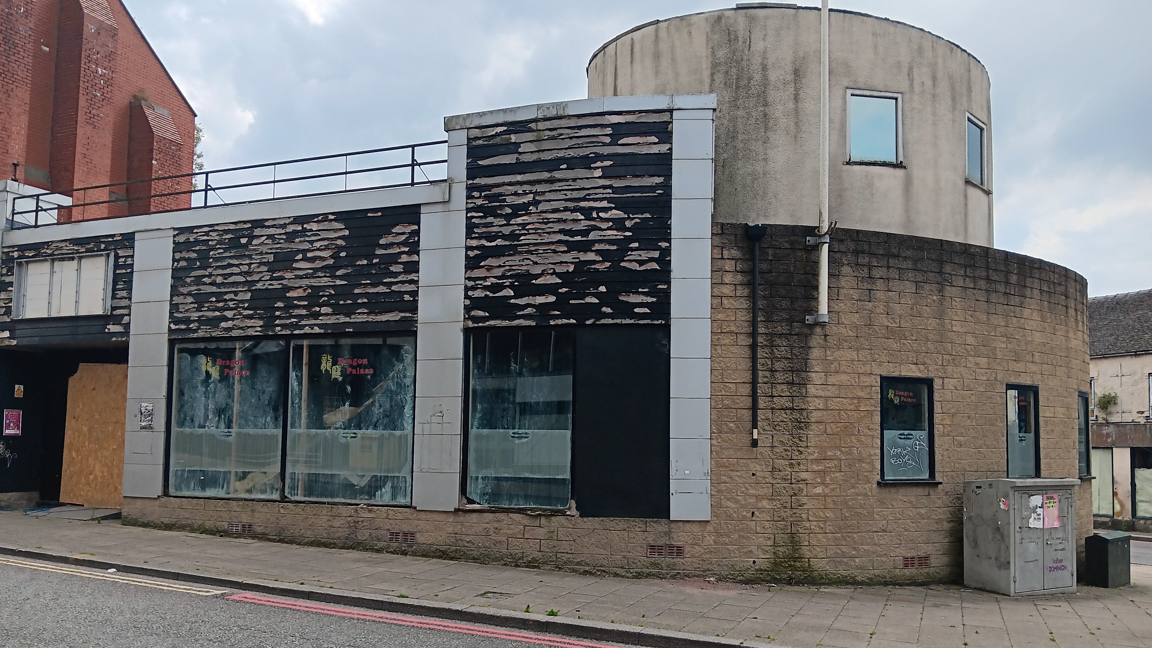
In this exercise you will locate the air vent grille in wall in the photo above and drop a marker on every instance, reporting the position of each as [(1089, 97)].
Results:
[(406, 537), (240, 528), (665, 551), (915, 562)]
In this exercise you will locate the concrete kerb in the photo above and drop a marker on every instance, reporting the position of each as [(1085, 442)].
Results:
[(574, 628)]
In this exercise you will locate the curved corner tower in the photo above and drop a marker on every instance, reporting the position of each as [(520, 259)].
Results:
[(763, 63)]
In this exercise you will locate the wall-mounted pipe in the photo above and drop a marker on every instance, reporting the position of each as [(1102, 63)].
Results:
[(756, 234), (822, 231)]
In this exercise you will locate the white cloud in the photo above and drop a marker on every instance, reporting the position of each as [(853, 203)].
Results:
[(502, 64), (220, 114), (1095, 222), (316, 11)]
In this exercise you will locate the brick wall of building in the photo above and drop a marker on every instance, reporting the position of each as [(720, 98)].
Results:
[(71, 70), (805, 504)]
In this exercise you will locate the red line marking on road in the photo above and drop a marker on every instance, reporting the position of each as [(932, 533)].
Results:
[(428, 624)]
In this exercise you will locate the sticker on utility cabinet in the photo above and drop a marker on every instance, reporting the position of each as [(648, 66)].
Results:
[(13, 422), (1051, 511), (1036, 519)]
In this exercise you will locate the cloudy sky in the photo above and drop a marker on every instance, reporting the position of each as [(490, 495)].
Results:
[(1071, 91)]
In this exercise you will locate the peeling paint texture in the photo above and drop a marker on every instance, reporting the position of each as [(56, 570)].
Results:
[(86, 329), (570, 221), (329, 273)]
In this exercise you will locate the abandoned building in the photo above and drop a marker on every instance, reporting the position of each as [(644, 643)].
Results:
[(621, 333)]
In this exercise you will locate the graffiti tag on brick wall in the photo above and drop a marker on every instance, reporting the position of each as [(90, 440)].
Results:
[(6, 453)]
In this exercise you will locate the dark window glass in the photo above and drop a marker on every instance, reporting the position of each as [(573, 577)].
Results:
[(1083, 439), (1023, 433), (906, 428), (227, 419), (520, 419), (975, 153), (351, 412), (873, 129)]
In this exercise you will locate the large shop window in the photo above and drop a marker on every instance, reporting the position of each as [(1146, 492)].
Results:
[(1142, 482), (520, 423), (906, 428), (1103, 498), (1023, 431), (348, 432), (576, 414), (227, 419), (350, 420)]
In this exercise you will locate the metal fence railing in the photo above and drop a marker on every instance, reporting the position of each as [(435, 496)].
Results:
[(394, 166)]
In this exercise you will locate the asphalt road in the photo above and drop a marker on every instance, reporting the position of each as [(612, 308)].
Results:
[(1141, 552), (46, 605)]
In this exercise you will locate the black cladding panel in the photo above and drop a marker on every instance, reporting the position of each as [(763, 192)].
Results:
[(342, 272), (620, 422), (570, 221)]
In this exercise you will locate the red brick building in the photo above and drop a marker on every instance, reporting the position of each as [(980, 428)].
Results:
[(85, 101)]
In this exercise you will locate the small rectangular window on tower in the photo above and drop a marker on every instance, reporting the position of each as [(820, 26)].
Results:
[(874, 127), (975, 147)]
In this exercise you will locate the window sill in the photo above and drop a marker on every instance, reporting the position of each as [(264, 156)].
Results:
[(40, 318), (484, 508), (978, 186), (908, 482), (1087, 477), (892, 165)]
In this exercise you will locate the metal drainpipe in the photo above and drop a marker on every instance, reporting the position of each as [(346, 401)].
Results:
[(756, 234), (824, 229)]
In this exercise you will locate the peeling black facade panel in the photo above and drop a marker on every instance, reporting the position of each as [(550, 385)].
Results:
[(83, 330), (345, 272), (570, 221)]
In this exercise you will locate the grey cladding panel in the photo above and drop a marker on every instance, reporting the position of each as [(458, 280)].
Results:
[(327, 273), (88, 329), (569, 221)]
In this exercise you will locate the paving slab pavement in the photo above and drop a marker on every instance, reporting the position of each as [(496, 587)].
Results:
[(644, 612)]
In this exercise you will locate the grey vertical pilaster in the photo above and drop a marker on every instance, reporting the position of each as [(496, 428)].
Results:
[(691, 322), (440, 342), (148, 363)]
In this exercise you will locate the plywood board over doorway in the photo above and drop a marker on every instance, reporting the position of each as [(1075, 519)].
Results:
[(94, 436)]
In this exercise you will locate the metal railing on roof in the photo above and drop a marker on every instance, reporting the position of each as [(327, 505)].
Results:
[(380, 168)]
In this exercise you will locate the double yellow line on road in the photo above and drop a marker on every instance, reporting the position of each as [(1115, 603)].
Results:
[(110, 576)]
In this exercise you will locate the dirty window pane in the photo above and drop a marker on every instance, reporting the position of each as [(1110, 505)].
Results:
[(1083, 437), (975, 153), (873, 129), (1022, 433), (227, 419), (520, 423), (905, 425), (350, 420)]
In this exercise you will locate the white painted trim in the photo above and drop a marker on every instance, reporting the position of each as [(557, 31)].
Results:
[(375, 198), (899, 123), (580, 107)]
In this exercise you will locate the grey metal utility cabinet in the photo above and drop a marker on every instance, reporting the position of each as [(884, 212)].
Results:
[(1020, 535)]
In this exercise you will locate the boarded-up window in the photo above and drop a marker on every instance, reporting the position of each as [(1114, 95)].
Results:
[(351, 414), (520, 423), (227, 415), (63, 287)]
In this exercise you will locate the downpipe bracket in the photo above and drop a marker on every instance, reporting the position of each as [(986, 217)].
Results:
[(817, 241), (816, 319)]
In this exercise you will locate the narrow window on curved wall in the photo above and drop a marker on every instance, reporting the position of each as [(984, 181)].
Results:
[(1083, 437), (350, 420), (874, 127), (906, 429), (1023, 431), (227, 418), (975, 148), (520, 418)]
